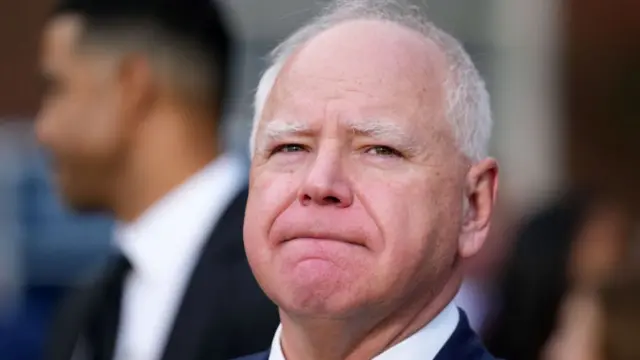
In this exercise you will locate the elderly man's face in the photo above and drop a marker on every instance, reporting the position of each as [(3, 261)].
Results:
[(357, 185)]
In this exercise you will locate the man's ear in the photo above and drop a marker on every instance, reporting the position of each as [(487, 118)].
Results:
[(137, 85), (481, 190)]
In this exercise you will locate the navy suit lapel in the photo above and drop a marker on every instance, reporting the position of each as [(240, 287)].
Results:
[(199, 321), (72, 323), (258, 356), (463, 344)]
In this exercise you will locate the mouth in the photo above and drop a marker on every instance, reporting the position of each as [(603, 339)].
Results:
[(327, 238)]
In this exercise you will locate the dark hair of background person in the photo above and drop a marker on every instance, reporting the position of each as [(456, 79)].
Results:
[(192, 32), (619, 302), (535, 280)]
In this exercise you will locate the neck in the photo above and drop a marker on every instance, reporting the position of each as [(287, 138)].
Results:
[(168, 152), (363, 337)]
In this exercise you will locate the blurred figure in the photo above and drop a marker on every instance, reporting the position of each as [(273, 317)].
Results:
[(601, 324), (19, 338), (576, 242), (53, 248), (12, 139), (132, 117), (477, 293), (370, 187)]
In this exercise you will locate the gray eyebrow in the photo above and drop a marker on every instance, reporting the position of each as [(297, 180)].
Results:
[(387, 131), (377, 129)]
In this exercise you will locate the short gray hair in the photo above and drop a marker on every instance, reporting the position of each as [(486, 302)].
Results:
[(468, 104)]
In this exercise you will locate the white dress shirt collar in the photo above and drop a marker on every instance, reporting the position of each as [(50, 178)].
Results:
[(423, 345), (172, 231)]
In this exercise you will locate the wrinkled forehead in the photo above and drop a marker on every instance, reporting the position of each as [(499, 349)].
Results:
[(361, 70)]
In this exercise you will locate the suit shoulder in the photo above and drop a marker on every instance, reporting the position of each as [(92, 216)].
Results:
[(257, 356)]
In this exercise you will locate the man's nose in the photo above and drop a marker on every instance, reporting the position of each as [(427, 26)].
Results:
[(326, 183)]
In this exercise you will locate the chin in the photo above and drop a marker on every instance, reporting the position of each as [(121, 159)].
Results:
[(312, 305), (79, 196), (321, 298), (90, 210), (83, 205)]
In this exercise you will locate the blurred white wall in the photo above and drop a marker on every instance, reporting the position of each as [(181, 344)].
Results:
[(528, 133)]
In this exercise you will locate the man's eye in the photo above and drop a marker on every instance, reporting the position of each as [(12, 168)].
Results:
[(288, 148), (381, 150)]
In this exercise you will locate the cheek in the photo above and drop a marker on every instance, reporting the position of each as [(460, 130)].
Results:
[(419, 219), (78, 125), (99, 134), (269, 196), (271, 193)]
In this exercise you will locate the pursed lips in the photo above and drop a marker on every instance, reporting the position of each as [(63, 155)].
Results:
[(324, 237)]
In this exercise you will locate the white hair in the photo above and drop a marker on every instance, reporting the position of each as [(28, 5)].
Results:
[(467, 100)]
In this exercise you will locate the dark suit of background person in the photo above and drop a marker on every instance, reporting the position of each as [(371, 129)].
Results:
[(135, 91)]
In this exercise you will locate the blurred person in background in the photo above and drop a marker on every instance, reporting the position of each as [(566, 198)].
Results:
[(132, 117), (477, 293), (370, 186), (12, 138), (601, 323), (18, 322), (574, 243)]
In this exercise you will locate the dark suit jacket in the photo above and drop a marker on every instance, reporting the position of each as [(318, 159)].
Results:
[(223, 314), (463, 344), (22, 333)]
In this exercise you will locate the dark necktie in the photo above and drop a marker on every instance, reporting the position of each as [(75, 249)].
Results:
[(103, 330)]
